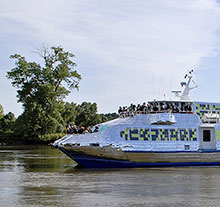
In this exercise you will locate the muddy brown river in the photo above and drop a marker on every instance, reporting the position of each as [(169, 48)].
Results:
[(42, 176)]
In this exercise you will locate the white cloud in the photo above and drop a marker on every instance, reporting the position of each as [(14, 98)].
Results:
[(126, 50)]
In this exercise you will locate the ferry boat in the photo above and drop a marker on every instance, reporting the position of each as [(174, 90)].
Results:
[(185, 134)]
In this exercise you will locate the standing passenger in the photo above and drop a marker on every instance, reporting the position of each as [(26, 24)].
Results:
[(149, 108)]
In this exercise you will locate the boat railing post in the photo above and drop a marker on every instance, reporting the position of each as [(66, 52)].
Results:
[(209, 116)]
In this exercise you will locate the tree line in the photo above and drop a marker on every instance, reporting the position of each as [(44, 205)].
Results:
[(42, 89)]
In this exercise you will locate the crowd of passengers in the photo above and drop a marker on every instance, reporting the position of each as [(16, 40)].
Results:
[(73, 129), (154, 107)]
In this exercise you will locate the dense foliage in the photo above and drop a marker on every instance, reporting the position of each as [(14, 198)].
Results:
[(84, 114), (42, 90)]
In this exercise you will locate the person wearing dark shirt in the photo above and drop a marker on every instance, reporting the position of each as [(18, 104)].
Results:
[(186, 107), (81, 130), (96, 129), (143, 108), (138, 108), (182, 107), (162, 107), (155, 107), (120, 110), (189, 108)]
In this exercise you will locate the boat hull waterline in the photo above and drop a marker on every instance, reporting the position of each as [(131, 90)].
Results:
[(144, 159)]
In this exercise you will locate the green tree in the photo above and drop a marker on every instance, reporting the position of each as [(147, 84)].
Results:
[(87, 114), (69, 113), (41, 89), (1, 111), (7, 122), (108, 117)]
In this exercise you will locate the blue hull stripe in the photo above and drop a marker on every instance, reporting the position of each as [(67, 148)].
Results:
[(91, 162)]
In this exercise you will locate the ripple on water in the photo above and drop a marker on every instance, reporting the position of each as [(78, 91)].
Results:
[(43, 176)]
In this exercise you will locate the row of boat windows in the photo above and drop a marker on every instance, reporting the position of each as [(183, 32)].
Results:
[(208, 107), (201, 113), (202, 109), (140, 134)]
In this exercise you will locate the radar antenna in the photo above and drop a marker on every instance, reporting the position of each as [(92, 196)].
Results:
[(185, 94)]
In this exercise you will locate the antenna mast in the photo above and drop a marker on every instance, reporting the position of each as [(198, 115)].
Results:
[(185, 94)]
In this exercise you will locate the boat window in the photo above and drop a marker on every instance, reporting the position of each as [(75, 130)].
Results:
[(94, 144), (206, 135), (103, 127), (187, 147)]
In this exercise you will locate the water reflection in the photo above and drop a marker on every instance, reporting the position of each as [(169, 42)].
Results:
[(43, 176)]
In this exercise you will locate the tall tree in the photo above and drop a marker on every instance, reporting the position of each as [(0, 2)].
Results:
[(41, 89)]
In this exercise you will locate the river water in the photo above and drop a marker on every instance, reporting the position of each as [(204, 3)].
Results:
[(42, 176)]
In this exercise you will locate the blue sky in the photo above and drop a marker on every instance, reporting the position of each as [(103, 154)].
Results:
[(127, 51)]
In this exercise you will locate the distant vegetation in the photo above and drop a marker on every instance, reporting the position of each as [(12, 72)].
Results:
[(42, 90)]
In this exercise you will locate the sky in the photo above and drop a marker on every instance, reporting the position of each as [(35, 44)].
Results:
[(127, 51)]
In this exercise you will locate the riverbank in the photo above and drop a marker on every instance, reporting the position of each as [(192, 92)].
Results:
[(11, 139)]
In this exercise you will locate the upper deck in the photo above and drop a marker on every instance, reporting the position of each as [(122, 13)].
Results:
[(208, 112), (153, 107)]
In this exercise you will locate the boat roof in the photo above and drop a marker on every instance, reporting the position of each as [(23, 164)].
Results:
[(185, 101), (171, 101)]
